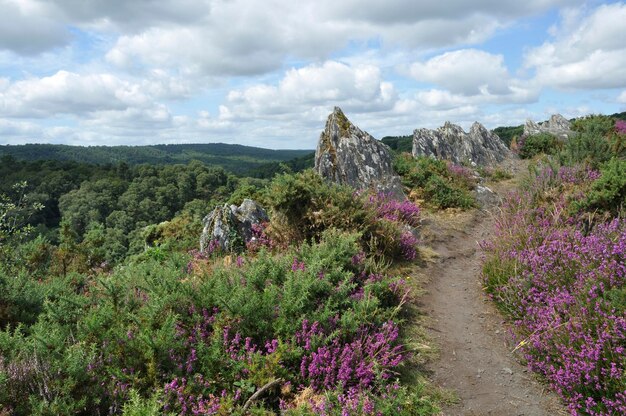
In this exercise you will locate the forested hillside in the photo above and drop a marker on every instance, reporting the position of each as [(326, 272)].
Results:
[(232, 157)]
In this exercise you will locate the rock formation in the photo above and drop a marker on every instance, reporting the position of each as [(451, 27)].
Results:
[(349, 156), (450, 142), (231, 226), (558, 126)]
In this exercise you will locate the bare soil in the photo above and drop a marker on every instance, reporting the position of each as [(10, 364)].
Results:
[(475, 352)]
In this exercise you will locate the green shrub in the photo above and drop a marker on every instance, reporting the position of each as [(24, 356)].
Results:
[(142, 337), (586, 147), (594, 124), (538, 143), (440, 184), (304, 207), (608, 193), (506, 134)]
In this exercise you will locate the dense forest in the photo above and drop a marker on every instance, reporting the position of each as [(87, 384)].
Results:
[(232, 157), (108, 307)]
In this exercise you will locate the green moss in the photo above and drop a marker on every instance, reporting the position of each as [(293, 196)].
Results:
[(342, 122)]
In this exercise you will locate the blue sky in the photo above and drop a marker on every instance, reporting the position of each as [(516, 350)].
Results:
[(268, 72)]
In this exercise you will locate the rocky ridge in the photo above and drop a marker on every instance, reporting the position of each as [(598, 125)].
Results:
[(450, 142), (558, 126), (349, 156)]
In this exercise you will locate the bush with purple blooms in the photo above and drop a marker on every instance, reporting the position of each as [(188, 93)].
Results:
[(562, 280), (304, 206), (196, 335), (303, 321)]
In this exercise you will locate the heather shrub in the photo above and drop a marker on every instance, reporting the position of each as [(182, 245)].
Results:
[(175, 334), (563, 288)]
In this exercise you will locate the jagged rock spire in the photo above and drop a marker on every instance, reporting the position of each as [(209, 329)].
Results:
[(450, 142), (349, 156), (557, 125)]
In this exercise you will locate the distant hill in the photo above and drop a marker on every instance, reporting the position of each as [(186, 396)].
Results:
[(232, 157), (268, 170)]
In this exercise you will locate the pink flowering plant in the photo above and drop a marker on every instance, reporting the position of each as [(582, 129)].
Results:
[(203, 341), (562, 281)]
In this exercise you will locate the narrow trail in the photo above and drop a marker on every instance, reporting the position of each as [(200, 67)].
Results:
[(475, 360)]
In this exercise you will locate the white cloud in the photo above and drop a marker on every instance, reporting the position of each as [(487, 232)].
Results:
[(20, 130), (469, 77), (145, 71), (465, 71), (30, 27), (394, 11), (69, 93), (313, 89), (587, 52), (243, 37), (133, 15)]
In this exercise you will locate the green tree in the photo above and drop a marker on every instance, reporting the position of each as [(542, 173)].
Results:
[(14, 215)]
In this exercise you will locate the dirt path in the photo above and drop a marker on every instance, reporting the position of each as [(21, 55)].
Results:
[(475, 359)]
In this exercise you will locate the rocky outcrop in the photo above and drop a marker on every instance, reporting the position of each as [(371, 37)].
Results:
[(558, 126), (349, 156), (230, 226), (450, 142)]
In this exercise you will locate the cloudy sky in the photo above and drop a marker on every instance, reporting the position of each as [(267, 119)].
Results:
[(268, 72)]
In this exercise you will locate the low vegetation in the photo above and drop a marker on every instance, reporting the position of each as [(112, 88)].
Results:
[(106, 306), (556, 267), (307, 320), (438, 183)]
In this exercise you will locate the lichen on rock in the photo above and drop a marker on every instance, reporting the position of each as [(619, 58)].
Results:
[(349, 156), (558, 126), (450, 142), (230, 226)]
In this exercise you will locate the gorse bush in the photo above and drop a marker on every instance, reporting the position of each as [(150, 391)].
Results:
[(304, 206), (177, 338), (608, 193), (114, 314), (598, 140), (594, 124), (438, 183), (535, 144)]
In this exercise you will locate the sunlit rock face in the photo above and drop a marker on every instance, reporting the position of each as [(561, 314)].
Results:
[(558, 126), (349, 156), (450, 142)]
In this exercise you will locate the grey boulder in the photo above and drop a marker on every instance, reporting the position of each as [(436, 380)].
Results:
[(230, 226)]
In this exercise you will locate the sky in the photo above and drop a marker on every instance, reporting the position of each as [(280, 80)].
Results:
[(268, 72)]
